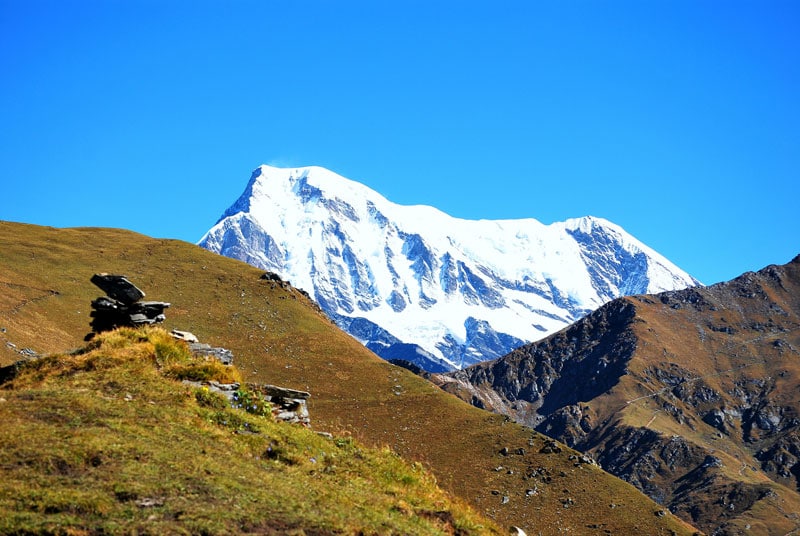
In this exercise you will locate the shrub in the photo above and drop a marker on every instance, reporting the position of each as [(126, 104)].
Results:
[(210, 399), (252, 403)]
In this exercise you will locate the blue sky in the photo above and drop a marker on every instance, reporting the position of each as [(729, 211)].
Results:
[(678, 120)]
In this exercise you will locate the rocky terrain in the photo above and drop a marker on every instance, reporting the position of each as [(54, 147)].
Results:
[(691, 395)]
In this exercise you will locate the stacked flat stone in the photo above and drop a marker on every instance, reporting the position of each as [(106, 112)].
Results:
[(122, 306), (288, 405)]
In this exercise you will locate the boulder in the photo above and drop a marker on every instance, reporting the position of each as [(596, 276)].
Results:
[(223, 355), (118, 287), (271, 276), (288, 405), (187, 336)]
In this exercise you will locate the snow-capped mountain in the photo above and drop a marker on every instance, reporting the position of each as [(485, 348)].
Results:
[(412, 282)]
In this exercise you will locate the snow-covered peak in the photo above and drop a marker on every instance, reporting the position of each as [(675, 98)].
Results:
[(270, 179), (396, 276), (589, 225)]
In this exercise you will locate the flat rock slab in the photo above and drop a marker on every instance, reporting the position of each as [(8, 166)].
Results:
[(282, 392), (104, 303), (187, 336), (223, 355), (118, 287), (148, 308)]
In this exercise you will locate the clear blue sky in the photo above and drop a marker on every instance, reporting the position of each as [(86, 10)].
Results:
[(678, 120)]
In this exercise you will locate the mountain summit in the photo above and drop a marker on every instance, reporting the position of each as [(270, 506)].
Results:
[(412, 282)]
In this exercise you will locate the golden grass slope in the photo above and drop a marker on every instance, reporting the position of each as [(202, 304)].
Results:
[(108, 440), (279, 337)]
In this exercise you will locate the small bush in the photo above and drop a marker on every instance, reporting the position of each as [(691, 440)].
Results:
[(210, 399), (252, 403)]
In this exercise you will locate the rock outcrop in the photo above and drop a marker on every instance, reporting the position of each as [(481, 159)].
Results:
[(122, 306), (287, 405)]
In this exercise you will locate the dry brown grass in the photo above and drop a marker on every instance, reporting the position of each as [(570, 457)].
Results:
[(106, 441)]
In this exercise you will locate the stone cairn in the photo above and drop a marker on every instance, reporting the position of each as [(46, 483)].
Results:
[(122, 306)]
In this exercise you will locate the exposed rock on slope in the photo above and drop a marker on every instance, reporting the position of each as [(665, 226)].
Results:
[(690, 395), (413, 283)]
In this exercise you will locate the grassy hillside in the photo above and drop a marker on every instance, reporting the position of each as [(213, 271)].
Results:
[(279, 337), (108, 440)]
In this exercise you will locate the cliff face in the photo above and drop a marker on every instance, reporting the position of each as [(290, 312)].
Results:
[(690, 395), (536, 382)]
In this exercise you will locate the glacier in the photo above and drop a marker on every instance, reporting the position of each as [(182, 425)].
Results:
[(413, 283)]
